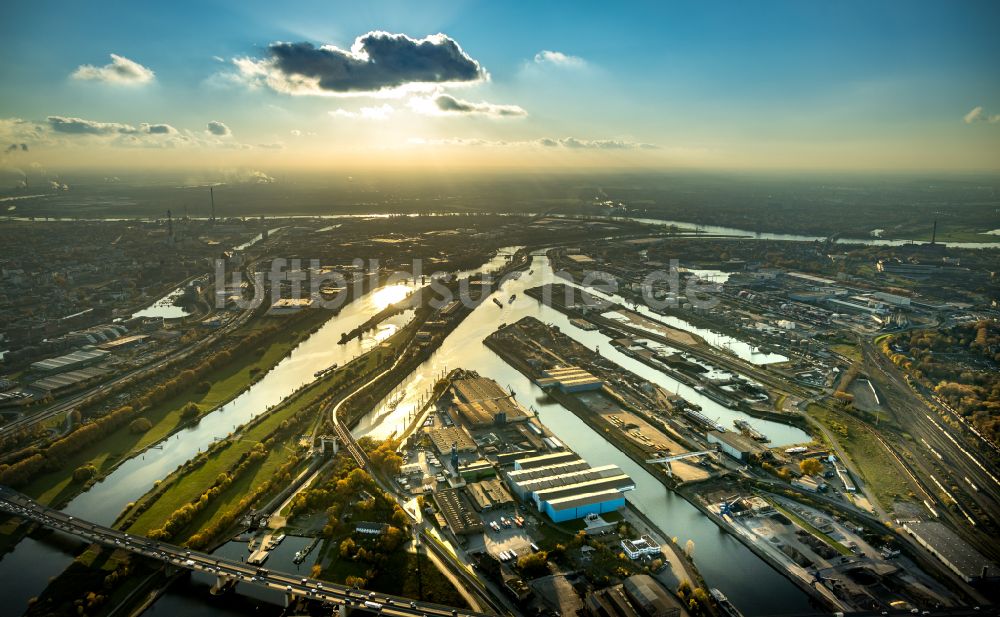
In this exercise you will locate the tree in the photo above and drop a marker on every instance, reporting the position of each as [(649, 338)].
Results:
[(190, 410), (689, 548), (534, 565), (84, 473), (140, 425), (347, 547), (811, 467)]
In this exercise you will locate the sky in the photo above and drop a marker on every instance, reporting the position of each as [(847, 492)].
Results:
[(810, 85)]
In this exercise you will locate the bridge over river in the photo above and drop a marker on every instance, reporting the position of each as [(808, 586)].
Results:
[(340, 598)]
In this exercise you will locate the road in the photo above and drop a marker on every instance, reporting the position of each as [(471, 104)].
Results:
[(227, 571)]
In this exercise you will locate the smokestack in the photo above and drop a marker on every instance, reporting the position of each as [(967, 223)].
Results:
[(211, 194), (934, 233), (170, 227)]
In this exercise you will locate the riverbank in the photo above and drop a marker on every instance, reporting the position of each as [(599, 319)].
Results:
[(620, 443)]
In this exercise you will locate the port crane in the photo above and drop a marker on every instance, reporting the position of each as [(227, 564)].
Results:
[(676, 457)]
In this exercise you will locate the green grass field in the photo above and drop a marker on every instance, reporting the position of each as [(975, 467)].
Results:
[(880, 472), (850, 352), (188, 486), (227, 382)]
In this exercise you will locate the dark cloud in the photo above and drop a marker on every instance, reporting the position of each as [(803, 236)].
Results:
[(79, 126), (218, 128), (16, 147), (376, 61), (449, 104)]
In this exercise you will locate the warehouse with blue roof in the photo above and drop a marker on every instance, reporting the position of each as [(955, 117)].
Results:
[(566, 488)]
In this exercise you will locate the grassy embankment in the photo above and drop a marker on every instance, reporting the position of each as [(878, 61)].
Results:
[(226, 382), (880, 471), (851, 352), (185, 486)]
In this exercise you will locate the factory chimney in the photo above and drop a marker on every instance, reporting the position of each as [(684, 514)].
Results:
[(934, 233), (170, 228), (211, 194)]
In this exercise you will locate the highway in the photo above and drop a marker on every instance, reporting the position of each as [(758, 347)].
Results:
[(226, 570)]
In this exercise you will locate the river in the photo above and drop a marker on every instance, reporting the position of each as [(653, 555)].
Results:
[(25, 571), (725, 563)]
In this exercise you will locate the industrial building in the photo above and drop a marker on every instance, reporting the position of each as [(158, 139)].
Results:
[(643, 545), (649, 597), (444, 438), (489, 494), (479, 403), (287, 306), (733, 444), (124, 342), (566, 487), (954, 552), (70, 379), (69, 362), (809, 483), (569, 379), (545, 459), (619, 482), (518, 480), (506, 459), (526, 482), (459, 517), (477, 470), (579, 506)]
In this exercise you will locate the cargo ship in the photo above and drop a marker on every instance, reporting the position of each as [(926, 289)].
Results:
[(745, 428), (725, 606), (324, 371)]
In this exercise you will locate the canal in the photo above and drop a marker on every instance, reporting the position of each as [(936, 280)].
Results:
[(755, 587)]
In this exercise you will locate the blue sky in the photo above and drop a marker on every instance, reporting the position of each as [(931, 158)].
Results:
[(819, 85)]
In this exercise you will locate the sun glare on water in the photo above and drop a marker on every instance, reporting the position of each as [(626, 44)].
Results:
[(389, 295)]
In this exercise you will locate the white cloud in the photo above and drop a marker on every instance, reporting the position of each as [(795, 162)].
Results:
[(218, 129), (447, 105), (382, 112), (978, 114), (558, 58), (565, 143), (121, 70)]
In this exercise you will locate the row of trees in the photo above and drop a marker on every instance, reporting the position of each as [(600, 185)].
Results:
[(52, 457), (961, 364)]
